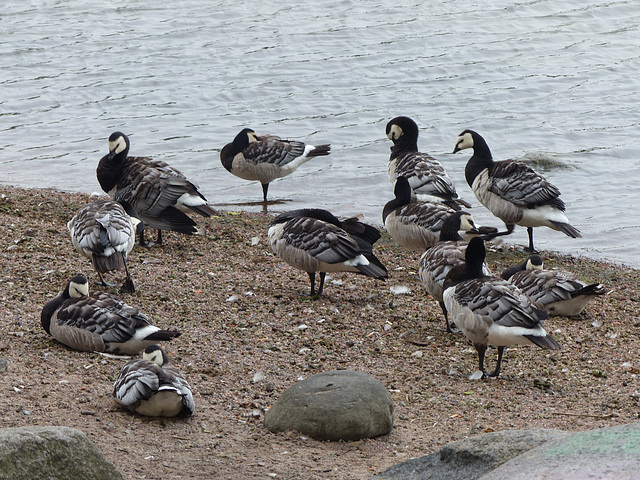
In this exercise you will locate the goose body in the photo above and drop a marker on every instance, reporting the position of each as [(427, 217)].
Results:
[(513, 191), (490, 310), (425, 174), (413, 225), (105, 233), (264, 158), (150, 386), (314, 240), (99, 322), (437, 261), (160, 194), (558, 292)]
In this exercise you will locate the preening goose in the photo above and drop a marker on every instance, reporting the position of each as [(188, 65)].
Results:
[(105, 233), (266, 157), (150, 386), (490, 310), (160, 194), (513, 191), (448, 252), (99, 322), (558, 292), (413, 225), (314, 240), (427, 177)]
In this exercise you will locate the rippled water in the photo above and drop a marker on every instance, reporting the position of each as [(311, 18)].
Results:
[(554, 82)]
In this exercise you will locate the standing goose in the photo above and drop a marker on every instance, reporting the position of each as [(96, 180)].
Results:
[(99, 322), (160, 194), (448, 252), (266, 157), (413, 225), (150, 386), (558, 292), (105, 232), (313, 240), (426, 175), (513, 191), (490, 310)]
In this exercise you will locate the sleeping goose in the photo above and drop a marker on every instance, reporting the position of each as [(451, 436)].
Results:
[(426, 175), (266, 157), (558, 292), (104, 232), (150, 386), (313, 240), (448, 252), (490, 310), (99, 322), (513, 191), (413, 225), (160, 194)]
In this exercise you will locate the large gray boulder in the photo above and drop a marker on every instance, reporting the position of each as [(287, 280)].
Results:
[(471, 458), (51, 453), (603, 454), (336, 405)]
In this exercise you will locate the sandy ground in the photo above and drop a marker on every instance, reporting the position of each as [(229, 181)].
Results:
[(242, 311)]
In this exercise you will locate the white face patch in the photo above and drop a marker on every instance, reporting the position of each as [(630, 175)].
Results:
[(153, 357), (464, 141), (77, 290), (467, 223), (395, 132), (118, 145), (252, 137)]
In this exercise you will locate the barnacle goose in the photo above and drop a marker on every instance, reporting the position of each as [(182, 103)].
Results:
[(313, 240), (160, 194), (99, 322), (105, 232), (150, 386), (558, 292), (448, 252), (266, 157), (490, 310), (427, 177), (513, 191)]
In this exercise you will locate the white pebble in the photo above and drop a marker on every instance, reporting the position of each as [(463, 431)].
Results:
[(400, 290)]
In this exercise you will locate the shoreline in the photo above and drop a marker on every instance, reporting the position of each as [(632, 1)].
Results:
[(241, 311)]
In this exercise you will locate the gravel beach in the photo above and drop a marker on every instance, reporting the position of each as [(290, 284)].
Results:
[(242, 312)]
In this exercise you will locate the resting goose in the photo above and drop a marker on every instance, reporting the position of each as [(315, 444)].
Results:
[(266, 157), (99, 322), (448, 252), (150, 386), (105, 232), (513, 191), (558, 292), (490, 310), (313, 240), (413, 225), (160, 194), (426, 175)]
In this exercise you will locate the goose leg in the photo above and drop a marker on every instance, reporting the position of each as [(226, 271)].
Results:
[(127, 286), (322, 275), (265, 188), (496, 372), (481, 349), (312, 279), (446, 319), (159, 237), (103, 282), (530, 249)]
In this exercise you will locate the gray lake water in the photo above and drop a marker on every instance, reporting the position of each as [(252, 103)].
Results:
[(553, 82)]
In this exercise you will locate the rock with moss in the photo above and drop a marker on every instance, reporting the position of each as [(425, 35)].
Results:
[(51, 453)]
